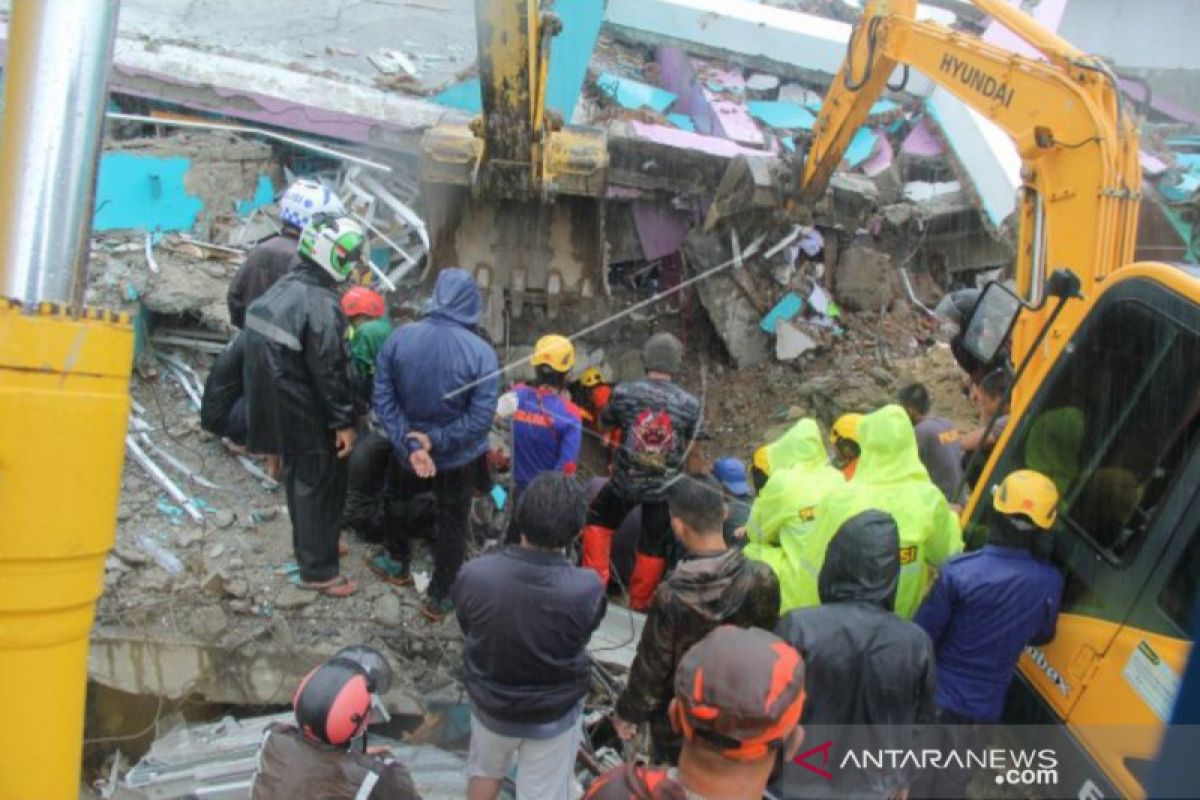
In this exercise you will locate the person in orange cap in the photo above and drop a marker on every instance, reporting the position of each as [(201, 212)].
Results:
[(739, 693)]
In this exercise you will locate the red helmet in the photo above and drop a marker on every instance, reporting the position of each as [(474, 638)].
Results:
[(363, 301), (333, 702)]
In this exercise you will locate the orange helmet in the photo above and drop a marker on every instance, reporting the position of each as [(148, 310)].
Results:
[(333, 702), (741, 691), (361, 301)]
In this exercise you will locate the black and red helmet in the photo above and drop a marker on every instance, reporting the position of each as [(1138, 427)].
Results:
[(333, 702)]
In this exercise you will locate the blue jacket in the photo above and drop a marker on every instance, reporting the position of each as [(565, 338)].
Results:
[(985, 607), (436, 376), (546, 434)]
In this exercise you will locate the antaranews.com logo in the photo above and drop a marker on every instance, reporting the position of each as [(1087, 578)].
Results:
[(1013, 767)]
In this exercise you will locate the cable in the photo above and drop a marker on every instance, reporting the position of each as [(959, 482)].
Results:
[(847, 82)]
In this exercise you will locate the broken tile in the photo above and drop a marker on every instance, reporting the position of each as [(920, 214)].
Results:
[(791, 342), (634, 94), (779, 114)]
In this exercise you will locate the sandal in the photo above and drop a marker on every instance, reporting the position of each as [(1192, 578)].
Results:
[(341, 586)]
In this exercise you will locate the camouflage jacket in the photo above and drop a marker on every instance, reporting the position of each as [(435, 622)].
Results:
[(704, 591)]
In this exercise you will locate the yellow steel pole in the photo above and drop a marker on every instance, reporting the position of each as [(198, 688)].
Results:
[(64, 391)]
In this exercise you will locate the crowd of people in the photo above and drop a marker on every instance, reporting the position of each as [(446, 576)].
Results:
[(822, 584)]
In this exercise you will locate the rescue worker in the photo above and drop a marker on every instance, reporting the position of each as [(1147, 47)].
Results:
[(592, 393), (891, 478), (658, 421), (986, 607), (526, 614), (315, 757), (712, 585), (546, 427), (738, 698), (271, 258), (990, 398), (299, 393), (868, 670), (731, 474), (938, 440), (760, 469), (846, 448), (783, 518), (435, 394), (368, 488), (366, 311)]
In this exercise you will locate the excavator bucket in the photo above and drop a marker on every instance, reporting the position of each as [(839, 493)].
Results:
[(530, 241)]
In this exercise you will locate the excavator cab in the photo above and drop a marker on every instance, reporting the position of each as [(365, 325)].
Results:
[(515, 196)]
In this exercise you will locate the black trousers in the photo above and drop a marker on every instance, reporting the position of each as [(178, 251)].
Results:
[(368, 489), (452, 491), (610, 507), (316, 488)]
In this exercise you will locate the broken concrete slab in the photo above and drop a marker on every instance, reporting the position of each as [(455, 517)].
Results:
[(864, 279), (778, 40), (734, 316), (791, 342), (713, 98)]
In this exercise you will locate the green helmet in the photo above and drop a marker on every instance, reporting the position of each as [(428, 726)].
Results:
[(335, 244)]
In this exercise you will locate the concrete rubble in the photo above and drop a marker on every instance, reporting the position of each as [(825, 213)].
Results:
[(819, 319)]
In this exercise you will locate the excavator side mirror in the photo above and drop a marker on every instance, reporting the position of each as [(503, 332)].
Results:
[(991, 321)]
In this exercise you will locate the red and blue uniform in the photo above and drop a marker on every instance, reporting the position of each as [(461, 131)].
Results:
[(546, 434)]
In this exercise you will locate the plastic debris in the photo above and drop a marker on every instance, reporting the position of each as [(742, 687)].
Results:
[(154, 471), (499, 496), (788, 306), (161, 555)]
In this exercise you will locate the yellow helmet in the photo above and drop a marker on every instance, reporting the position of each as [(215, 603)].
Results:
[(554, 351), (761, 461), (592, 376), (846, 427), (1030, 494)]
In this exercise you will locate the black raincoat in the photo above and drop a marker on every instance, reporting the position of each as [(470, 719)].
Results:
[(870, 674), (297, 365), (222, 410)]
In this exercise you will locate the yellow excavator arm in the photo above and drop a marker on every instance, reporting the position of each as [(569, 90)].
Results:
[(1080, 169)]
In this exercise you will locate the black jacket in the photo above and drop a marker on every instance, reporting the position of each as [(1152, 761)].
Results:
[(866, 667), (264, 265), (527, 616), (297, 365), (658, 421), (223, 388)]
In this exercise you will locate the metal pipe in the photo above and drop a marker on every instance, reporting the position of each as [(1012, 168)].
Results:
[(55, 90)]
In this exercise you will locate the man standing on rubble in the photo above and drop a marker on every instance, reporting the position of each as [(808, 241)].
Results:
[(739, 694), (891, 478), (938, 440), (658, 421), (271, 258), (299, 395), (436, 386), (713, 585), (527, 614)]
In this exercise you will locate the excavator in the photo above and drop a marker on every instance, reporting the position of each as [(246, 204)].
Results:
[(1106, 396), (515, 195)]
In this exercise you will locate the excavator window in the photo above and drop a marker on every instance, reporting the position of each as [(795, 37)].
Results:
[(1110, 430)]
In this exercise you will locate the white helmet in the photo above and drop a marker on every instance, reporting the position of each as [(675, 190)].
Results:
[(335, 244), (306, 197)]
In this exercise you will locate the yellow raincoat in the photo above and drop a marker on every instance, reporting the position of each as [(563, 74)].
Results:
[(891, 478), (784, 513)]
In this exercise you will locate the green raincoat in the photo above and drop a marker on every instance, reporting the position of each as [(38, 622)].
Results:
[(891, 478), (365, 344), (782, 518)]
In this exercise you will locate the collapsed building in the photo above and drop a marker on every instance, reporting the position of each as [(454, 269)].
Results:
[(822, 318)]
